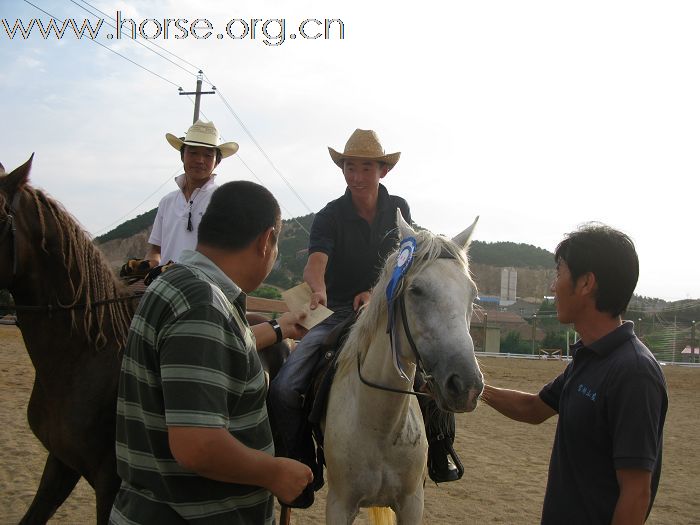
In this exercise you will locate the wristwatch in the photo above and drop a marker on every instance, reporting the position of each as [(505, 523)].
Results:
[(277, 328)]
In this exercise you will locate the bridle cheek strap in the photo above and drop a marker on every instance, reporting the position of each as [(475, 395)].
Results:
[(11, 228)]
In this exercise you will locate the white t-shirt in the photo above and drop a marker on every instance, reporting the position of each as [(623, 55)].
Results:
[(170, 226)]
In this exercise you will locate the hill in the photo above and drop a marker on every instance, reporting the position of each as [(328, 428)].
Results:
[(535, 265), (129, 228), (504, 254)]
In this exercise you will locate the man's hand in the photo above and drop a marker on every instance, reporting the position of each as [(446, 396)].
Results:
[(135, 268), (318, 298), (215, 454), (360, 299), (289, 323), (292, 477)]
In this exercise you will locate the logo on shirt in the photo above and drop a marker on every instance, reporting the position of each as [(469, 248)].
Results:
[(587, 392)]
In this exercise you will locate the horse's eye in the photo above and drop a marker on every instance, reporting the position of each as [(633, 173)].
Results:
[(415, 290)]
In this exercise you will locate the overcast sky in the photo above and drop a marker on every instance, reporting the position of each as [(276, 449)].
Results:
[(538, 116)]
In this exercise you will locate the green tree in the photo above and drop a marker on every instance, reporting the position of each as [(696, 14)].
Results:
[(266, 292), (513, 343), (554, 339), (510, 254)]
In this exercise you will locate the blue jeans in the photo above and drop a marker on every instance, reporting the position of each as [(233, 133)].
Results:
[(287, 390)]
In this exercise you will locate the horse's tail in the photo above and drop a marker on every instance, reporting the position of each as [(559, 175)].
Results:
[(381, 516)]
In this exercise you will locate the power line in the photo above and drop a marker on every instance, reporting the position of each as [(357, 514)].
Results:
[(226, 103), (149, 41), (134, 39), (107, 48), (262, 151), (170, 177), (240, 159)]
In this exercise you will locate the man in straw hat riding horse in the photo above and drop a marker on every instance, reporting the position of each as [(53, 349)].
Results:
[(179, 212), (350, 238)]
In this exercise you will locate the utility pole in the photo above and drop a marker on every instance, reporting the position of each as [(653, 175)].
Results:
[(692, 341), (197, 94), (534, 329), (486, 324), (675, 330)]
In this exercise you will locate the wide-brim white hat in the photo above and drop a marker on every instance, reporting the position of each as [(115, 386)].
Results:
[(364, 144), (203, 134)]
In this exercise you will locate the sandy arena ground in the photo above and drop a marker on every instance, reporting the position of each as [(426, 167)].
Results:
[(505, 462)]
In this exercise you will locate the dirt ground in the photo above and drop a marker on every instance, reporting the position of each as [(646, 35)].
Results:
[(505, 462)]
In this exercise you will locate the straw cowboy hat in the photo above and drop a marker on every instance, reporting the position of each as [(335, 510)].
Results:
[(203, 134), (364, 144)]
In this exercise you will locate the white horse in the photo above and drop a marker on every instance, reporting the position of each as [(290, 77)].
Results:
[(375, 444)]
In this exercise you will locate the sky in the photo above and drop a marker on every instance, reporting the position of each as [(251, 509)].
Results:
[(537, 116)]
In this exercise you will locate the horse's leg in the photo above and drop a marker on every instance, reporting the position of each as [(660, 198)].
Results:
[(106, 486), (410, 510), (57, 482), (339, 511)]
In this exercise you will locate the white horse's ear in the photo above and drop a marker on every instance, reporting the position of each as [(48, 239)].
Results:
[(404, 228), (463, 239)]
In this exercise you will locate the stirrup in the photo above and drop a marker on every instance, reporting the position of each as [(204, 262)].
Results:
[(443, 463)]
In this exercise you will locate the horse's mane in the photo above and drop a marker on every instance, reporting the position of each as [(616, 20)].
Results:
[(429, 247), (89, 276)]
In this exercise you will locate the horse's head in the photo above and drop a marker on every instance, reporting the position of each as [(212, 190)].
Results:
[(11, 185), (438, 294)]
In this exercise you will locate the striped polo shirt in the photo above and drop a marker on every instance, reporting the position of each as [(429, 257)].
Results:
[(190, 360)]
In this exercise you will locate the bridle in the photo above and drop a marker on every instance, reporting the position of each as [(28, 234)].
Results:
[(427, 378), (9, 227)]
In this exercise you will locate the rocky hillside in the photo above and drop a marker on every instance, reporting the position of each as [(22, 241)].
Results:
[(119, 250), (532, 282), (535, 265)]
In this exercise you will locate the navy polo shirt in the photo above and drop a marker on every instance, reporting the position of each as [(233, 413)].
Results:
[(356, 249), (612, 401)]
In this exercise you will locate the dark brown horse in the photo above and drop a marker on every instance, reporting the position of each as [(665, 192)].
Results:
[(74, 315)]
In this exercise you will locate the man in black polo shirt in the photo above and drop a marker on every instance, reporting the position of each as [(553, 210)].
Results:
[(349, 242), (612, 397)]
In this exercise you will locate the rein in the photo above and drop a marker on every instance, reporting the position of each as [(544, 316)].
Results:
[(50, 308), (427, 377), (419, 362)]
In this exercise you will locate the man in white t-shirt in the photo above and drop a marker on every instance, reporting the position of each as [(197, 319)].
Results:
[(179, 212)]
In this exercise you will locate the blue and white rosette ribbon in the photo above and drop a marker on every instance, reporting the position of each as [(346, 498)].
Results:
[(404, 260)]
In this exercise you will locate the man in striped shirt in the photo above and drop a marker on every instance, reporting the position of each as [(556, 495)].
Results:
[(193, 438)]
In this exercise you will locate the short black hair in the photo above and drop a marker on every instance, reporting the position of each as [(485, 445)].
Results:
[(610, 255), (182, 154), (238, 212)]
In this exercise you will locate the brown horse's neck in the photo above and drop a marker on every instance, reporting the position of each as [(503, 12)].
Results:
[(65, 278)]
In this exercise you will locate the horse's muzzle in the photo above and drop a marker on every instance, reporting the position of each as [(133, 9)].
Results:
[(458, 395)]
